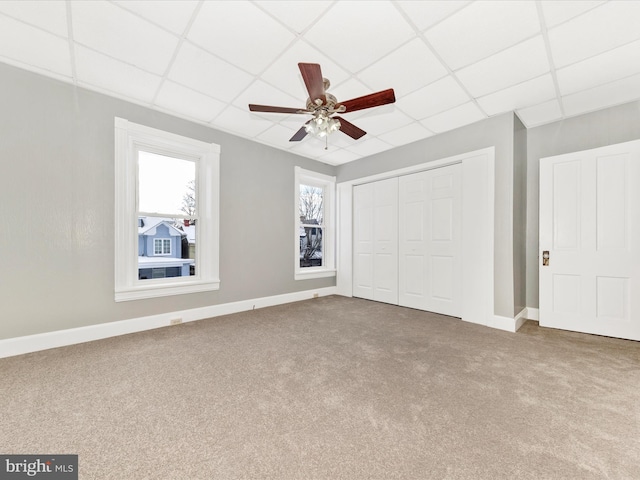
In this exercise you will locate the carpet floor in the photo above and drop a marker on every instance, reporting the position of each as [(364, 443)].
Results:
[(331, 388)]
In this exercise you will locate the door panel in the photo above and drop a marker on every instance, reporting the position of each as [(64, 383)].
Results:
[(375, 269), (429, 256), (590, 224)]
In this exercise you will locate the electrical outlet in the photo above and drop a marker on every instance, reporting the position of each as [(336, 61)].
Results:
[(175, 321), (315, 295)]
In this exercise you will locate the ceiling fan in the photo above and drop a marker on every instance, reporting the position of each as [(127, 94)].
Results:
[(322, 105)]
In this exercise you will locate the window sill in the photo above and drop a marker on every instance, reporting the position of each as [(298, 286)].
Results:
[(165, 290), (315, 274)]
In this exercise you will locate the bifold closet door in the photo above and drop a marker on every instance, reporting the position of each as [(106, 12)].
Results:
[(375, 249), (430, 227)]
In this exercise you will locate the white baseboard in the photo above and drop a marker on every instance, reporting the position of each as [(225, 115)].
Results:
[(60, 338), (508, 324), (533, 314)]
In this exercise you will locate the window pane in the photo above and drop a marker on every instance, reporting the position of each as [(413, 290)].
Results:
[(311, 205), (166, 247), (166, 185), (310, 247)]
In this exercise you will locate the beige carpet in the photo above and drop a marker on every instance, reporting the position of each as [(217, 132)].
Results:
[(331, 388)]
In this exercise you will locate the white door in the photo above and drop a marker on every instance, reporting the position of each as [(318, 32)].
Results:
[(375, 255), (590, 233), (430, 268)]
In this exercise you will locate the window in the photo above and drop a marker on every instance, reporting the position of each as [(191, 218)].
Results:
[(314, 225), (161, 246), (166, 237)]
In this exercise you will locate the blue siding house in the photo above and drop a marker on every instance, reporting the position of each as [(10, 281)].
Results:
[(160, 252)]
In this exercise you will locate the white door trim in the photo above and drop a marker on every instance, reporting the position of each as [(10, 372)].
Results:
[(478, 182)]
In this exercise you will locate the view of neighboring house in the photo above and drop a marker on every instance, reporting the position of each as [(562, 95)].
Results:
[(160, 249), (310, 243)]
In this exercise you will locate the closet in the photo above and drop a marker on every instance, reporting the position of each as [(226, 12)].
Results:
[(407, 240)]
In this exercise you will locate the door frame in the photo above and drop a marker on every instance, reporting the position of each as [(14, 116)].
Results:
[(478, 182)]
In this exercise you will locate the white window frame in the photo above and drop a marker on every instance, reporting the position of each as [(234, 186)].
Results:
[(163, 242), (328, 184), (129, 139)]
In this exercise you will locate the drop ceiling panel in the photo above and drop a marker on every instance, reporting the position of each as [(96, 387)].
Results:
[(97, 70), (45, 14), (514, 65), (298, 16), (234, 119), (356, 34), (113, 31), (187, 102), (381, 119), (482, 29), (435, 98), (338, 156), (539, 114), (369, 147), (454, 118), (174, 15), (24, 44), (614, 93), (240, 33), (408, 68), (525, 94), (426, 14), (407, 134), (559, 11), (195, 68), (609, 66), (605, 27)]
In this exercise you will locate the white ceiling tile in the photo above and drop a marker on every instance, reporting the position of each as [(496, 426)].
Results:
[(540, 114), (482, 29), (111, 30), (296, 15), (339, 156), (278, 136), (174, 15), (97, 70), (356, 34), (240, 33), (511, 66), (525, 94), (614, 93), (407, 134), (187, 102), (352, 88), (558, 11), (606, 67), (48, 15), (34, 47), (454, 118), (314, 147), (195, 68), (425, 14), (285, 74), (435, 98), (405, 70), (380, 119), (605, 27), (370, 146), (241, 122), (262, 93)]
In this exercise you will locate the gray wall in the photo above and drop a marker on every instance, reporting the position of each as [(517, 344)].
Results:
[(605, 127), (496, 131), (57, 209), (519, 216)]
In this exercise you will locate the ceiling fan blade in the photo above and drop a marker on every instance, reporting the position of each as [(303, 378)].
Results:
[(372, 100), (312, 76), (300, 134), (351, 130), (268, 108)]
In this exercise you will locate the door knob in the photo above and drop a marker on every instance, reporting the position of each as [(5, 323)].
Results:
[(545, 258)]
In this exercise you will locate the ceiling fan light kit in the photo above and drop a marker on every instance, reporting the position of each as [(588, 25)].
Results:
[(322, 105)]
